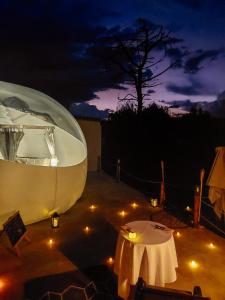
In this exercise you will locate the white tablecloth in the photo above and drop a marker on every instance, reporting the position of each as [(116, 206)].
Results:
[(151, 255)]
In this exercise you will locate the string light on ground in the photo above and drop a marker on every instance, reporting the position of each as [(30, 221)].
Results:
[(212, 246), (134, 205), (50, 242), (193, 264), (178, 234), (188, 208), (2, 284), (122, 213), (110, 261), (86, 229), (92, 208)]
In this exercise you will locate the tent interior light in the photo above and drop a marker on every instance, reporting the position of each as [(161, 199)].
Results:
[(54, 162)]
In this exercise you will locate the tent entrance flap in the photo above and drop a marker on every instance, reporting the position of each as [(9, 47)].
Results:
[(216, 183)]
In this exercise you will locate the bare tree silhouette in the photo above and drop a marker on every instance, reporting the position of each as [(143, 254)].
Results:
[(140, 55)]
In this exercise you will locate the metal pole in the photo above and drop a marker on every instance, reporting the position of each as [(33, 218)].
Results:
[(118, 171), (202, 174), (197, 205), (162, 186)]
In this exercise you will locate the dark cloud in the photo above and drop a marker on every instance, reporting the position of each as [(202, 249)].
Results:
[(192, 65), (45, 46), (177, 55), (194, 88), (89, 111), (189, 90), (194, 4)]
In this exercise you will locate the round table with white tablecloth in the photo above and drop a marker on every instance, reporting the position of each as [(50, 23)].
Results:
[(151, 255)]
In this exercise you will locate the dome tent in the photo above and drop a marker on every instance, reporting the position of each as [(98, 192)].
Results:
[(43, 155)]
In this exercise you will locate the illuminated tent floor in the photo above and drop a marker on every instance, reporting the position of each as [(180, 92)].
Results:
[(73, 249)]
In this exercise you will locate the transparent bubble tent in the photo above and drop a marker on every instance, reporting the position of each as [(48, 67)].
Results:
[(43, 155)]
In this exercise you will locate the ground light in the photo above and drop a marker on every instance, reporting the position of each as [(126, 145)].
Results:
[(50, 243), (193, 264), (211, 246), (178, 234), (87, 229), (134, 205), (2, 284), (110, 261), (122, 213), (92, 208)]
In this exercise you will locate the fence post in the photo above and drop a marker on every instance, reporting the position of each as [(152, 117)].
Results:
[(162, 186), (118, 170), (202, 174), (197, 205)]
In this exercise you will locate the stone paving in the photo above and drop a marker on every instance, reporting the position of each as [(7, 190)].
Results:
[(72, 248)]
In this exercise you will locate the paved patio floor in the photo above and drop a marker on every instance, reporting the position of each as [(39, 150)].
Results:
[(73, 249)]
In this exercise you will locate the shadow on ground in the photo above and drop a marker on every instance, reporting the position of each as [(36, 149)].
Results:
[(93, 248), (97, 283)]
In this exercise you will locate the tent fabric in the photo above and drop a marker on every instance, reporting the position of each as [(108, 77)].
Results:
[(216, 183), (217, 198), (43, 155), (49, 137)]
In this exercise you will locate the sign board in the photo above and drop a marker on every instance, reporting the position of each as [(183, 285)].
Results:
[(15, 228)]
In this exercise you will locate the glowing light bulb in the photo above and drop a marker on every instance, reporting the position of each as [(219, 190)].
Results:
[(132, 235), (134, 205), (122, 213), (211, 245), (110, 261), (193, 264), (188, 208), (54, 162), (87, 229), (1, 284), (92, 207), (50, 242), (178, 234)]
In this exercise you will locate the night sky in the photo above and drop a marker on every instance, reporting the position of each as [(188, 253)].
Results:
[(45, 45)]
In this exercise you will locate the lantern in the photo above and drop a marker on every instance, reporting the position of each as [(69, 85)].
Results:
[(132, 235), (55, 220), (154, 202)]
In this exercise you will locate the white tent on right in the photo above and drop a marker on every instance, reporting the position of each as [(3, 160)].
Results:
[(216, 183)]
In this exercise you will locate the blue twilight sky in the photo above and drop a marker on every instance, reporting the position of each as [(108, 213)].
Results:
[(44, 45)]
